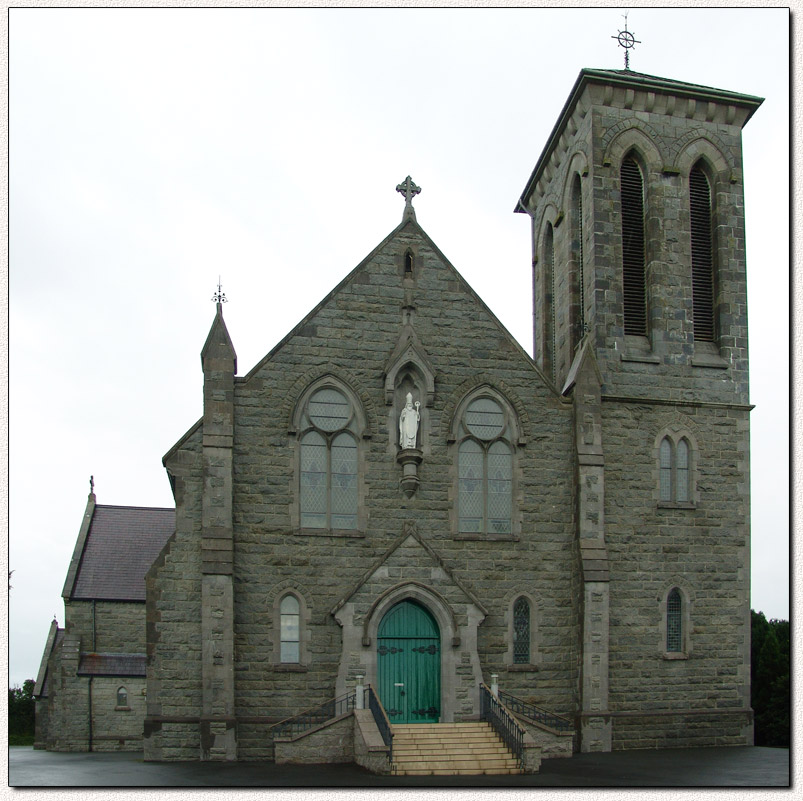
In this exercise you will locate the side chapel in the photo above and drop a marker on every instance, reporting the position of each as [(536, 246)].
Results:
[(398, 495)]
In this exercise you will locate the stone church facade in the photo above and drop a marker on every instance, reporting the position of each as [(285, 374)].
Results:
[(398, 494)]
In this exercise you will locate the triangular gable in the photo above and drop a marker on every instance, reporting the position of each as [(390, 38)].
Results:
[(584, 358), (410, 532)]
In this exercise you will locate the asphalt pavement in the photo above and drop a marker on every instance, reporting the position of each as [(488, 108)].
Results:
[(670, 767)]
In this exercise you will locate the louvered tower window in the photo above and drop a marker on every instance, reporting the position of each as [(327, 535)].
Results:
[(549, 305), (674, 621), (632, 195), (577, 309), (702, 265)]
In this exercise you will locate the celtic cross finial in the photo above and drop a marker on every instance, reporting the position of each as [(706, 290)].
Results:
[(409, 190), (626, 40), (219, 297)]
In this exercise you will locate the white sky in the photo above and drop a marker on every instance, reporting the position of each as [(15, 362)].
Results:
[(152, 150)]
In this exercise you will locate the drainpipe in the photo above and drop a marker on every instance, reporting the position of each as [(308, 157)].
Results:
[(94, 635), (90, 713)]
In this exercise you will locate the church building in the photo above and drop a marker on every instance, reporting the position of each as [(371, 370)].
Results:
[(399, 516)]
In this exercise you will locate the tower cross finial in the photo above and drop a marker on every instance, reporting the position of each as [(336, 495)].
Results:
[(409, 190), (219, 297), (626, 40)]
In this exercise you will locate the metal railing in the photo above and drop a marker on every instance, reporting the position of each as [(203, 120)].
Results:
[(503, 722), (381, 719), (291, 727), (534, 713)]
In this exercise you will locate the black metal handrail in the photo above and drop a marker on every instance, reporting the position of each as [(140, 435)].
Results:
[(290, 727), (381, 719), (535, 713), (503, 722)]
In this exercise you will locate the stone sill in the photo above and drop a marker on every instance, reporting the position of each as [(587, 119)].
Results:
[(328, 532), (676, 505), (635, 356), (709, 360), (672, 655), (487, 537), (290, 667), (122, 709), (522, 668)]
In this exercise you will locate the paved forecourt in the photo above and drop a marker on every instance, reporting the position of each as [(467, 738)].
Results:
[(671, 767)]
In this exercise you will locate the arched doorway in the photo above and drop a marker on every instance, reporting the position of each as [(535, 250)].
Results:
[(409, 664)]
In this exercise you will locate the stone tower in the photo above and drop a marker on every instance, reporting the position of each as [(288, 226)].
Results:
[(640, 316)]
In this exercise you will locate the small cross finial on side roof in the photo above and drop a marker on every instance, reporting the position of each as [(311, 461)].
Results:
[(408, 188), (219, 297), (92, 485)]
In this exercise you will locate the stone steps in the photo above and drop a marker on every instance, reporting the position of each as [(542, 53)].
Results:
[(445, 749)]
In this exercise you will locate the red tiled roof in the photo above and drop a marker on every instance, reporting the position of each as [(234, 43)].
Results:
[(121, 545)]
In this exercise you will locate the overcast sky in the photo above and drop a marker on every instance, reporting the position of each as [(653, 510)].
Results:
[(153, 150)]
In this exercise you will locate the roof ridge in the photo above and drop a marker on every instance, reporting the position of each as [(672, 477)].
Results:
[(150, 508)]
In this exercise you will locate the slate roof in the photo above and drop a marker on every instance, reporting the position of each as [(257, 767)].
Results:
[(93, 664), (121, 545)]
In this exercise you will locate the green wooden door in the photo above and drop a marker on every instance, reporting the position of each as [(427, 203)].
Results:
[(409, 664)]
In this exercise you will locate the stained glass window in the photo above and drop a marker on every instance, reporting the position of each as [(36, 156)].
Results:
[(682, 471), (485, 470), (521, 632), (328, 475), (674, 621), (122, 696), (666, 469), (289, 611), (674, 471)]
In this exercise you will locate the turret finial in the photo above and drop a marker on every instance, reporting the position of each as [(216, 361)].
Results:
[(626, 40), (219, 296)]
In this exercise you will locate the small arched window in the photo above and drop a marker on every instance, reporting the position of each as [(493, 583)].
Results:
[(521, 632), (633, 259), (408, 264), (674, 621), (674, 470), (290, 629), (122, 696), (328, 462), (702, 252), (485, 468)]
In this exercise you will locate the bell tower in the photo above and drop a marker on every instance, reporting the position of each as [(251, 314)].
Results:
[(640, 317)]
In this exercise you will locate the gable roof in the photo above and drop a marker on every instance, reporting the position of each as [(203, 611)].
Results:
[(54, 637), (119, 546)]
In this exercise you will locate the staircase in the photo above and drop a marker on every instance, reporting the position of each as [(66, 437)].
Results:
[(449, 749)]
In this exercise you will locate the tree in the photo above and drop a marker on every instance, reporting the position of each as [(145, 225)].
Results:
[(21, 713), (770, 687)]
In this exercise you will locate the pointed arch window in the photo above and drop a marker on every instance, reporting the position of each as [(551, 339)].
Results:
[(674, 621), (328, 493), (577, 301), (674, 470), (633, 253), (548, 308), (702, 256), (485, 468), (521, 631)]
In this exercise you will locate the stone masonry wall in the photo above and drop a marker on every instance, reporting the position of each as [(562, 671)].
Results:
[(703, 550), (352, 335)]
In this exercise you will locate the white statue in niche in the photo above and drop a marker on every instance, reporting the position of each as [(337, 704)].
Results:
[(408, 423)]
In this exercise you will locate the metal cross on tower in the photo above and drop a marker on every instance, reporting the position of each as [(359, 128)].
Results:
[(626, 40), (409, 190)]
